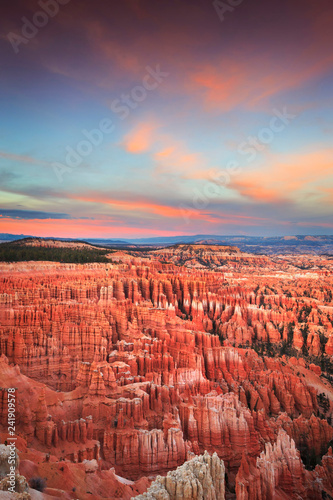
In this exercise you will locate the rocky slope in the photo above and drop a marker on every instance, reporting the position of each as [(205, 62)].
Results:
[(202, 255)]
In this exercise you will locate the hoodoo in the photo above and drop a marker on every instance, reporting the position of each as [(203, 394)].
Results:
[(155, 369)]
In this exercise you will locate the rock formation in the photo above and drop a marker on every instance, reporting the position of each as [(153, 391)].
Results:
[(139, 364), (199, 478)]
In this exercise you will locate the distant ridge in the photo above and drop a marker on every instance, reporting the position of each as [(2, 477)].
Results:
[(207, 239), (14, 237), (296, 244)]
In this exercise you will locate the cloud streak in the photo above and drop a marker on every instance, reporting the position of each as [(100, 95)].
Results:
[(31, 214)]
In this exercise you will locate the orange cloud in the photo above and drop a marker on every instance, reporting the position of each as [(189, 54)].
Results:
[(173, 156), (164, 153), (230, 83), (251, 189), (178, 215), (144, 206), (287, 177), (140, 139), (79, 229), (170, 155)]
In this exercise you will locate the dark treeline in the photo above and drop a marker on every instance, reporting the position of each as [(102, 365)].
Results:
[(14, 252)]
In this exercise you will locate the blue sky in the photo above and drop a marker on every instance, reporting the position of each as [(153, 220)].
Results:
[(196, 92)]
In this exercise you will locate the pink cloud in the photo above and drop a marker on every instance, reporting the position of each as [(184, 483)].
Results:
[(286, 177), (141, 138)]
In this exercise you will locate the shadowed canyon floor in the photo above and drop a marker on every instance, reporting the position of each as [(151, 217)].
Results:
[(130, 369)]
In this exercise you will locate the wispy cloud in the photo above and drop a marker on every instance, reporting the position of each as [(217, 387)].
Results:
[(287, 177), (23, 158), (141, 138), (31, 214)]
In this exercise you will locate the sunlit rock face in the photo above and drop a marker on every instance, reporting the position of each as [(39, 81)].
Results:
[(127, 370), (201, 477)]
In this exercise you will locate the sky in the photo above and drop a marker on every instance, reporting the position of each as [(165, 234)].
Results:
[(141, 118)]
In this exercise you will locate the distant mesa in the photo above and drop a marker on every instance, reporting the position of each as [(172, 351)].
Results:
[(201, 255), (210, 241), (55, 243)]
